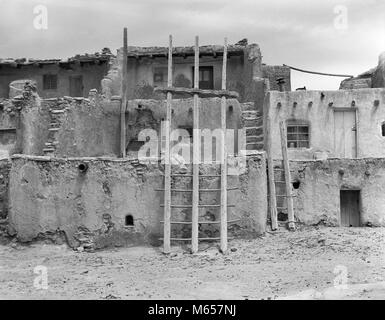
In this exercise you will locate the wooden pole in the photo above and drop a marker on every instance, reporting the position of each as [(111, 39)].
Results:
[(196, 154), (223, 232), (167, 159), (270, 171), (124, 98), (289, 197)]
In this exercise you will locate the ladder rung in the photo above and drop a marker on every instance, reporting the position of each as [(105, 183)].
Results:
[(179, 205), (214, 239), (201, 190), (214, 205), (256, 136), (200, 176), (209, 190), (181, 175), (254, 142), (199, 205), (201, 222), (203, 239), (283, 195)]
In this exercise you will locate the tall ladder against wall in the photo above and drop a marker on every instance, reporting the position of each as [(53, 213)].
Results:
[(195, 176), (280, 191)]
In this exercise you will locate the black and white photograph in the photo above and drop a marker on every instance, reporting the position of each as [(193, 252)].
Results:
[(215, 153)]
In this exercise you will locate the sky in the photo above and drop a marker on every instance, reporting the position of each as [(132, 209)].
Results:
[(332, 36)]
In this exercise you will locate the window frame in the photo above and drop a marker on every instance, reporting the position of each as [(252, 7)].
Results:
[(47, 85), (209, 68), (297, 124), (164, 74)]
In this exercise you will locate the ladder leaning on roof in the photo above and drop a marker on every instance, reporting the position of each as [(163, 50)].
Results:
[(195, 176)]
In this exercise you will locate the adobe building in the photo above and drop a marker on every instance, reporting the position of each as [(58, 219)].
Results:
[(74, 76), (63, 178)]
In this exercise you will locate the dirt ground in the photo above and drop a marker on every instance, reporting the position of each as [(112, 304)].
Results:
[(306, 264)]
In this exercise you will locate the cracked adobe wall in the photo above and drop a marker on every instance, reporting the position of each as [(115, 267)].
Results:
[(50, 195), (317, 200)]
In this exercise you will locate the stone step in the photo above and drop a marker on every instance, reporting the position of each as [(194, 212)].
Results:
[(251, 113), (254, 146), (254, 138), (248, 118), (248, 106), (48, 150), (53, 129), (253, 131), (57, 111)]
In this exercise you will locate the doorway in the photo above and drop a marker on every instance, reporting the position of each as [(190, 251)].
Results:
[(206, 77), (76, 86), (350, 208), (345, 133)]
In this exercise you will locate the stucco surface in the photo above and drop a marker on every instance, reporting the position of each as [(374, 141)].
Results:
[(49, 195), (317, 200), (317, 108)]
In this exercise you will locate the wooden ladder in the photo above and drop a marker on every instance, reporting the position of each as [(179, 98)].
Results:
[(195, 176), (277, 202)]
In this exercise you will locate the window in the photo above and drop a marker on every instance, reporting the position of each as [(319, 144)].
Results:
[(206, 77), (383, 129), (49, 81), (160, 76), (297, 135)]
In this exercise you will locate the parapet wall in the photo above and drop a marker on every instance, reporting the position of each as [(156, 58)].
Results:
[(51, 196)]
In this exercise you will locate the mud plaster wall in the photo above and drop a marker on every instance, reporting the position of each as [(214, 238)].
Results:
[(317, 200), (5, 168), (92, 76), (89, 128), (86, 127), (317, 107), (275, 72), (150, 113), (244, 73), (49, 195)]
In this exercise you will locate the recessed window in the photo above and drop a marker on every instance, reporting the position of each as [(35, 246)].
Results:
[(206, 77), (160, 76), (129, 220), (49, 81), (383, 129), (297, 135)]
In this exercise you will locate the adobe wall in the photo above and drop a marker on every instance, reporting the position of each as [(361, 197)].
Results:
[(275, 72), (9, 125), (317, 107), (51, 196), (5, 168), (243, 74), (90, 127), (317, 200)]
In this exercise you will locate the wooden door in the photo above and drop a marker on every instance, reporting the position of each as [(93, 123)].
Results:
[(350, 212), (76, 86), (206, 77), (345, 142)]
